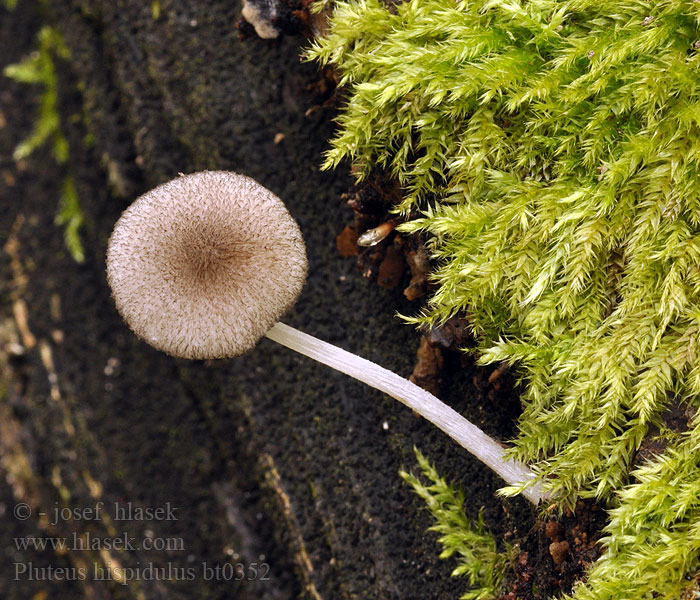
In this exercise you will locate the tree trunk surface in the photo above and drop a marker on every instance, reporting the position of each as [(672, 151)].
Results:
[(277, 478)]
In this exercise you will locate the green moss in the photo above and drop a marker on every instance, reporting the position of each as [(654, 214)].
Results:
[(653, 538), (70, 216), (553, 151), (463, 538), (39, 69), (560, 141)]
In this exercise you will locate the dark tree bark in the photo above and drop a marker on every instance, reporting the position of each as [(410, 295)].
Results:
[(268, 458)]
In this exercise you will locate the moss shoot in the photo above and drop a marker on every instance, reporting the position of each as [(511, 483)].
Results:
[(464, 539), (39, 69)]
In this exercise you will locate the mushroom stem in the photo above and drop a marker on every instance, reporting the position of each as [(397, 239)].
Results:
[(465, 433)]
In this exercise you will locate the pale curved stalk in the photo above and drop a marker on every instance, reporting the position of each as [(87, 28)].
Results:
[(465, 433)]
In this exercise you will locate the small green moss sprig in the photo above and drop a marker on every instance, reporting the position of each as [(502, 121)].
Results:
[(70, 217), (39, 69), (463, 538)]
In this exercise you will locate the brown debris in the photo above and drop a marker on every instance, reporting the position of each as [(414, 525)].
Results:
[(375, 197), (296, 542), (376, 235), (495, 375), (21, 314), (19, 284), (323, 88), (346, 242), (419, 264), (391, 268), (428, 368), (12, 248), (453, 334)]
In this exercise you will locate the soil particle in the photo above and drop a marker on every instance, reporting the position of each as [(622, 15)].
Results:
[(374, 197), (273, 18), (559, 551)]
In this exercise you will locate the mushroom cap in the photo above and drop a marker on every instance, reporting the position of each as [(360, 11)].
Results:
[(204, 265)]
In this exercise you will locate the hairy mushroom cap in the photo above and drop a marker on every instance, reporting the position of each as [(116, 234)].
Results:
[(202, 266)]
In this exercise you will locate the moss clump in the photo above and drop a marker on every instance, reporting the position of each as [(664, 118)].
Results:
[(554, 150), (39, 69), (561, 141), (466, 539)]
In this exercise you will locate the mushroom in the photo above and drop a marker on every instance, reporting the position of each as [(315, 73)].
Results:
[(205, 265), (202, 266)]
